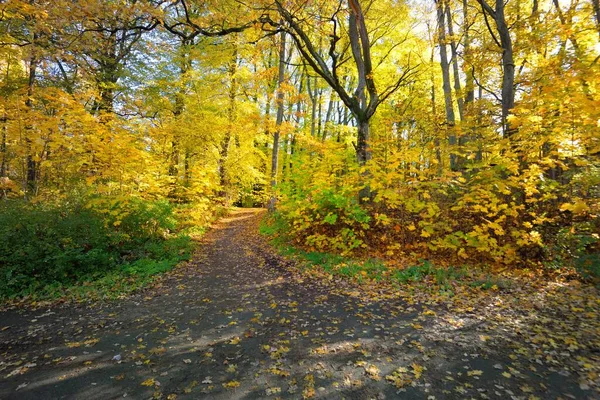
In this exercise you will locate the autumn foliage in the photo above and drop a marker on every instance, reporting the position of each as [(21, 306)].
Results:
[(396, 133)]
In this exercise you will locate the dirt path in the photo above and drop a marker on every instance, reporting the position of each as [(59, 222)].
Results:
[(239, 323)]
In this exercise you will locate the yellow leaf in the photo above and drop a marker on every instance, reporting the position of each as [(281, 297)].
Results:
[(231, 384), (417, 370), (148, 382)]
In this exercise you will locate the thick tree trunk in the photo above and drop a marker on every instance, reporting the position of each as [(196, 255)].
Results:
[(363, 155), (108, 76), (187, 171), (174, 159), (278, 122)]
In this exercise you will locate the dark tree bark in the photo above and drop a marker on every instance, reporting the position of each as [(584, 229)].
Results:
[(508, 64), (596, 4), (31, 164)]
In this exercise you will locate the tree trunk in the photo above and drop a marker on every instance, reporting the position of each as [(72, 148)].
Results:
[(174, 159), (278, 122), (319, 113), (438, 151), (187, 172), (508, 68), (3, 147), (327, 117), (312, 94), (596, 4), (31, 173), (178, 109), (3, 150), (508, 64), (450, 118), (231, 111), (455, 69), (363, 155), (470, 81)]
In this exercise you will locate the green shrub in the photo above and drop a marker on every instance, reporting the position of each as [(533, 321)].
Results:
[(44, 247)]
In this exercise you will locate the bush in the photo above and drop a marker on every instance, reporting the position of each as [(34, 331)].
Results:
[(45, 246)]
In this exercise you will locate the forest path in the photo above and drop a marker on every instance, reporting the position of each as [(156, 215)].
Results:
[(239, 322)]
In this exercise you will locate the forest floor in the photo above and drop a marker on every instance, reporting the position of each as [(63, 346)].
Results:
[(241, 322)]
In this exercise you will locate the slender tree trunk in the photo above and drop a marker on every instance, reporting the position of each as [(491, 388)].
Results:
[(596, 4), (231, 111), (278, 122), (299, 113), (313, 118), (450, 118), (319, 113), (3, 147), (268, 99), (470, 81), (455, 69), (508, 68), (328, 116), (312, 94), (3, 150), (31, 174), (438, 152), (174, 157), (179, 108)]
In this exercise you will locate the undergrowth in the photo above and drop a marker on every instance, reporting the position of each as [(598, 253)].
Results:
[(424, 273), (98, 247)]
